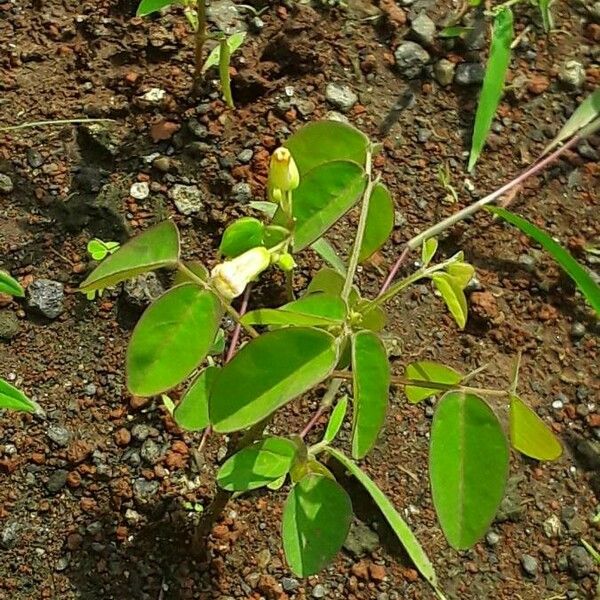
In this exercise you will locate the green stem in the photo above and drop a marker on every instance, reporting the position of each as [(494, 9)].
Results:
[(200, 38), (360, 231)]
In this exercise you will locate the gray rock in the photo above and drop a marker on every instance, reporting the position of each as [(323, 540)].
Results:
[(361, 540), (62, 563), (139, 190), (580, 562), (577, 330), (305, 107), (102, 137), (572, 74), (443, 71), (511, 508), (423, 29), (153, 97), (241, 193), (140, 432), (144, 491), (9, 536), (245, 156), (61, 436), (340, 96), (289, 584), (187, 198), (333, 115), (151, 452), (319, 591), (410, 59), (552, 527), (492, 538), (226, 16), (34, 158), (198, 129), (57, 480), (257, 24), (586, 150), (469, 74), (46, 297), (6, 184), (595, 11), (530, 565), (142, 290), (9, 325)]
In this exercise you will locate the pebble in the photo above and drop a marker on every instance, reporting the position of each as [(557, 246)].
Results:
[(198, 129), (187, 199), (577, 330), (572, 74), (557, 404), (6, 184), (241, 193), (580, 562), (139, 190), (245, 156), (257, 24), (10, 535), (9, 325), (150, 452), (443, 71), (341, 96), (319, 591), (59, 435), (154, 96), (34, 158), (410, 59), (492, 538), (144, 491), (289, 584), (142, 290), (57, 480), (140, 432), (423, 29), (333, 115), (530, 565), (46, 297), (361, 540), (469, 74)]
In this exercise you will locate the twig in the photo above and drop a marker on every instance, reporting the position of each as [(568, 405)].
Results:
[(55, 122), (326, 402)]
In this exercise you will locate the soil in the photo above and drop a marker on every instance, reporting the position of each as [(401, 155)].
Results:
[(98, 499)]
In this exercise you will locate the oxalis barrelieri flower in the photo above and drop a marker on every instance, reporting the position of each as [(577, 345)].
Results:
[(231, 277)]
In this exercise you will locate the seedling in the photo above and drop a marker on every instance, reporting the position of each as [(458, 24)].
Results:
[(445, 179), (10, 396), (99, 250), (195, 13), (327, 339)]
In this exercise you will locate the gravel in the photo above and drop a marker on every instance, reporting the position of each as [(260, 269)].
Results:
[(61, 436), (46, 297), (139, 190), (530, 565), (572, 74), (443, 71), (187, 199), (411, 59), (9, 325), (57, 480), (423, 29), (6, 184), (468, 74), (580, 562), (340, 96)]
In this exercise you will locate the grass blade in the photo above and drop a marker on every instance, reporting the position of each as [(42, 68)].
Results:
[(588, 287), (493, 82)]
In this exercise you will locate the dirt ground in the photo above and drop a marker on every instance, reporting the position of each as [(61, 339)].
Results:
[(97, 499)]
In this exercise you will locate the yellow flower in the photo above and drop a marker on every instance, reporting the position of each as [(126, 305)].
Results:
[(283, 172), (231, 277)]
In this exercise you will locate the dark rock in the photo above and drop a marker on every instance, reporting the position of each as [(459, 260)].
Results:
[(59, 435), (580, 562), (361, 540), (57, 480), (411, 59), (530, 565), (34, 158), (468, 74), (144, 491), (140, 291), (9, 325)]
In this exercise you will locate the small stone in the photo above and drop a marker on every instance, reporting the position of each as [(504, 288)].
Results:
[(530, 565), (122, 437), (245, 156), (62, 563), (289, 584), (59, 435), (580, 562), (552, 527), (154, 96), (411, 59), (9, 536), (340, 96), (333, 115), (9, 325), (577, 330), (492, 538), (399, 219), (46, 297), (144, 491), (557, 404), (241, 193), (257, 24), (132, 516), (226, 16), (572, 74), (142, 290), (151, 452), (538, 84), (34, 158), (305, 107), (140, 432), (198, 129), (469, 74), (423, 29), (319, 591), (187, 199), (6, 184), (163, 130), (361, 540), (377, 572), (57, 480), (139, 190), (443, 71)]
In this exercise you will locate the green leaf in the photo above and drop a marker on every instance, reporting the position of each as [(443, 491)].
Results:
[(529, 434), (99, 249), (241, 235), (171, 339), (155, 248), (454, 31), (234, 42), (331, 282), (9, 285), (267, 373), (592, 551), (257, 465), (328, 253), (324, 195), (267, 208), (14, 399), (336, 419), (426, 370), (453, 296), (401, 529), (375, 319), (584, 114), (316, 521), (147, 7), (218, 344), (325, 141), (168, 403), (547, 19), (191, 413), (428, 250), (319, 310), (468, 467), (371, 387), (588, 287), (461, 272), (224, 76), (380, 222), (493, 82)]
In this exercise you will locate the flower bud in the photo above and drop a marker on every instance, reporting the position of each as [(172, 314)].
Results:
[(231, 277), (283, 172), (285, 262)]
